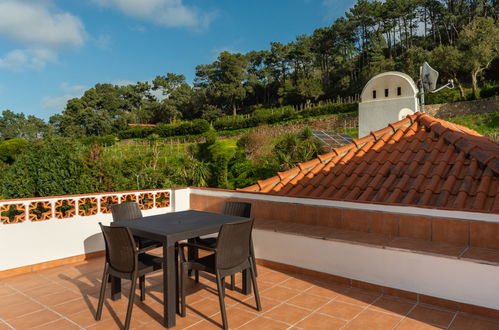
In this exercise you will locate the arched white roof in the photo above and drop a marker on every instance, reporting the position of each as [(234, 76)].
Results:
[(391, 81)]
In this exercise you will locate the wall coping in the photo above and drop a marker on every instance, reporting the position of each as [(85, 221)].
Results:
[(409, 210)]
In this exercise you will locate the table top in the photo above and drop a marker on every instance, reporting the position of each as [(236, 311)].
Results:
[(177, 226)]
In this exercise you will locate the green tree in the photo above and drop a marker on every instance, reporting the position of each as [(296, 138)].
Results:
[(480, 43), (46, 168)]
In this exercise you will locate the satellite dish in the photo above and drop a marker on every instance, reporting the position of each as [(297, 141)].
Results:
[(429, 77)]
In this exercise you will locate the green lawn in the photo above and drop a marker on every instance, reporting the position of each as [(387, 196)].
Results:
[(484, 123)]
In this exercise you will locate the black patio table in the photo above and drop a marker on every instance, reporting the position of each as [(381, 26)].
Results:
[(169, 228)]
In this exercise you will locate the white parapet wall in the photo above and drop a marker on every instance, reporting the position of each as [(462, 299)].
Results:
[(447, 278), (31, 240)]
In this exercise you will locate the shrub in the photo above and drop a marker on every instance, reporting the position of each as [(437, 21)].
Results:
[(9, 149), (272, 116), (197, 126), (489, 91)]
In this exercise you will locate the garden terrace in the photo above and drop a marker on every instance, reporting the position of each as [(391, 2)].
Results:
[(419, 246), (366, 277)]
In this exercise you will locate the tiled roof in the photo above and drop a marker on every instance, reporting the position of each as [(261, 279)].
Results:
[(419, 160)]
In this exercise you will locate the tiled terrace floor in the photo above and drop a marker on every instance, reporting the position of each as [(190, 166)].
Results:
[(66, 298)]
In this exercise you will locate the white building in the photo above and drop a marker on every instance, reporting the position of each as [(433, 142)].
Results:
[(386, 98)]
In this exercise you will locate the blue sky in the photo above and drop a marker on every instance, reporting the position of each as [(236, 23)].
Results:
[(52, 50)]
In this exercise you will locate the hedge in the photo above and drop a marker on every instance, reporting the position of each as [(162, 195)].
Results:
[(197, 126), (272, 116)]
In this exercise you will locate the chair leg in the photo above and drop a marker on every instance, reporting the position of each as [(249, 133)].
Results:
[(221, 295), (233, 282), (253, 258), (142, 282), (255, 288), (102, 293), (130, 303), (183, 278), (196, 276)]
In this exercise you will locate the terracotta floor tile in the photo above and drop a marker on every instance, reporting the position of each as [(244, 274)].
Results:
[(480, 254), (87, 318), (358, 297), (297, 284), (58, 298), (203, 325), (26, 281), (341, 310), (235, 317), (204, 308), (410, 324), (8, 312), (61, 324), (466, 322), (392, 305), (73, 307), (45, 290), (263, 323), (115, 324), (274, 277), (34, 319), (249, 304), (445, 249), (287, 313), (374, 319), (408, 244), (328, 290), (308, 301), (14, 299), (320, 321), (279, 293), (4, 326), (431, 315), (184, 322), (6, 290)]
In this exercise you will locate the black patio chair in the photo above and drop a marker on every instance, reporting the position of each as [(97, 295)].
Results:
[(231, 255), (124, 260), (130, 211), (240, 209)]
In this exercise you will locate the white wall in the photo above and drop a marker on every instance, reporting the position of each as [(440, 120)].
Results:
[(446, 278), (30, 243), (377, 113)]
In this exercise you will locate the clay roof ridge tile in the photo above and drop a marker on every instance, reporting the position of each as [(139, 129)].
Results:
[(359, 143), (289, 173), (268, 182), (327, 157), (307, 166)]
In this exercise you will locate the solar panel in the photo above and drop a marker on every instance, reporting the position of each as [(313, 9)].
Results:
[(333, 139)]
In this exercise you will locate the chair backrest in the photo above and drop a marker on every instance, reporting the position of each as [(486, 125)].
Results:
[(233, 244), (126, 211), (120, 248), (240, 209)]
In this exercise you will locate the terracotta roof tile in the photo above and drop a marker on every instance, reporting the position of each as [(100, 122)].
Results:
[(419, 160)]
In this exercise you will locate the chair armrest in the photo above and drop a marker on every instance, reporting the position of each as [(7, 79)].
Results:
[(199, 246)]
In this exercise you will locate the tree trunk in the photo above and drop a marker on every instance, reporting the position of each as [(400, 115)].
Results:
[(474, 81), (461, 90), (234, 110)]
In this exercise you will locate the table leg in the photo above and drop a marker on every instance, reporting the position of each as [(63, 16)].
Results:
[(192, 253), (246, 282), (169, 285), (115, 288)]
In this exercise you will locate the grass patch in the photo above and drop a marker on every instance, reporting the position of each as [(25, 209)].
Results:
[(484, 123)]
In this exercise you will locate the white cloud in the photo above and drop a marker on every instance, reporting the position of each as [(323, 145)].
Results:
[(41, 29), (38, 24), (19, 59), (58, 103), (171, 13)]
